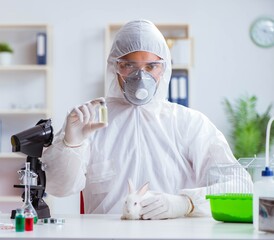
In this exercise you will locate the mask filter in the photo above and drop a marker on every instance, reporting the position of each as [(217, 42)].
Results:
[(139, 87)]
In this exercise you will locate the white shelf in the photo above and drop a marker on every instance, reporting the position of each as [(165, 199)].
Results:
[(23, 112), (10, 199), (24, 68), (26, 94), (11, 155), (20, 26), (25, 63), (180, 67)]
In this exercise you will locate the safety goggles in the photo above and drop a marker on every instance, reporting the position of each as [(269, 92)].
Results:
[(126, 67)]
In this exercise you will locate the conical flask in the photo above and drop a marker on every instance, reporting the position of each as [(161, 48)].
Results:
[(28, 208)]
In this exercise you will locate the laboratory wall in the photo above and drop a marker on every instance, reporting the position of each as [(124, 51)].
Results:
[(227, 64)]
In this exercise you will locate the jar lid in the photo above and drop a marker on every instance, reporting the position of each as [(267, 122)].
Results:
[(267, 172)]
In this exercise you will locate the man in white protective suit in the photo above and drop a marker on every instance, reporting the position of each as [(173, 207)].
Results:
[(147, 138)]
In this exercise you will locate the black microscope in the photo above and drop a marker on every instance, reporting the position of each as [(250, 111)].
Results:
[(31, 142)]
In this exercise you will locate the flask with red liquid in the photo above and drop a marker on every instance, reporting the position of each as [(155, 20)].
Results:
[(29, 211), (29, 221)]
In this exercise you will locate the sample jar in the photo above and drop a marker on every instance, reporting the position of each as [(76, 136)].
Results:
[(103, 113), (19, 220)]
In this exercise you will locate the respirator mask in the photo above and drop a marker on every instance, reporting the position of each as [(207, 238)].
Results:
[(139, 79)]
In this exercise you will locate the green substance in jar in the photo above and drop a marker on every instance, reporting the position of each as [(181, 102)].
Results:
[(20, 223)]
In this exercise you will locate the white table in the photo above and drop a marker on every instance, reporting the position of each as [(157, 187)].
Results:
[(111, 227)]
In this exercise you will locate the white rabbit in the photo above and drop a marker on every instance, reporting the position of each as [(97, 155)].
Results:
[(132, 206)]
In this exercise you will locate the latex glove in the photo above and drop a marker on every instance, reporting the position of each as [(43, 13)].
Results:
[(163, 206), (80, 123)]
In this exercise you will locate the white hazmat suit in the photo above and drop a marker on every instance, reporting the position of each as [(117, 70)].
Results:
[(166, 144)]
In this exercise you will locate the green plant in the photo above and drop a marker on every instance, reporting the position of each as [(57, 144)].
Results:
[(248, 131), (5, 47)]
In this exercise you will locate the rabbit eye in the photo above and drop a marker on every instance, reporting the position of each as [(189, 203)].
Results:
[(135, 203)]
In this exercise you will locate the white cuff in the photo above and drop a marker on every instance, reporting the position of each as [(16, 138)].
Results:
[(71, 145), (191, 205)]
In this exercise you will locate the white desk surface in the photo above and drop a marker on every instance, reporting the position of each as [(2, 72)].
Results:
[(111, 227)]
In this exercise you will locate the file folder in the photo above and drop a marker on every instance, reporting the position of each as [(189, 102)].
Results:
[(41, 48), (178, 87), (1, 134)]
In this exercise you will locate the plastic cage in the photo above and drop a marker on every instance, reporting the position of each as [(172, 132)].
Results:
[(255, 165), (229, 189)]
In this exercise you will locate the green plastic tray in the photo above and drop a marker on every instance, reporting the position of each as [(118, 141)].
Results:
[(231, 207)]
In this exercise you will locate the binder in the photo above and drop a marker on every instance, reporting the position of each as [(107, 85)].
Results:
[(178, 87), (174, 91), (41, 48), (1, 134)]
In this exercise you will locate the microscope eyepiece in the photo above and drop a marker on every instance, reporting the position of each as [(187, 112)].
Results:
[(15, 143), (32, 140)]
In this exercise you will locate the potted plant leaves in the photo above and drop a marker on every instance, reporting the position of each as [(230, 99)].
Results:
[(5, 54), (248, 127)]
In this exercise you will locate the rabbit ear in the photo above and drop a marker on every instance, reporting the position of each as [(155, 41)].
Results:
[(131, 187), (143, 189)]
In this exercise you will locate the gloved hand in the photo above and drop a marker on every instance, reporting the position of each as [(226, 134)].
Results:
[(163, 205), (80, 123)]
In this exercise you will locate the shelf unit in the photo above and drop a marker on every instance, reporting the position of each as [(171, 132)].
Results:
[(25, 86), (181, 46), (25, 90)]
